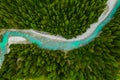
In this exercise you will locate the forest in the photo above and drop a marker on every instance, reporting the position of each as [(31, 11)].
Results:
[(99, 60), (68, 18)]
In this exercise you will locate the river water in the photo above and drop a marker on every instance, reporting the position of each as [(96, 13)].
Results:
[(50, 44)]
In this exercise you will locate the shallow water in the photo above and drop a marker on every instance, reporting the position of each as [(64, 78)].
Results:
[(47, 43)]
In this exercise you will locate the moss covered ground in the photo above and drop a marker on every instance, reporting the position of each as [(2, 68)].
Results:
[(99, 60)]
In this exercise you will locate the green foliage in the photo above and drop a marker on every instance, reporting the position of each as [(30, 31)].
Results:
[(99, 60), (68, 18)]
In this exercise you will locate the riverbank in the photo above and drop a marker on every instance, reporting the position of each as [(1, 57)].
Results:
[(99, 58)]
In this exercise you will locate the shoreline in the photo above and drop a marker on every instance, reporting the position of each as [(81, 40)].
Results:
[(89, 31), (44, 40)]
